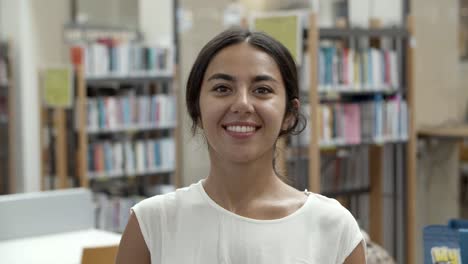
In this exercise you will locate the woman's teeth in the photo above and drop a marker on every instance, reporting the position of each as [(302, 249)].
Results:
[(240, 129)]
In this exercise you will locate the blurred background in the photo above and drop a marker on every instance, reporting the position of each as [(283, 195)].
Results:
[(92, 96)]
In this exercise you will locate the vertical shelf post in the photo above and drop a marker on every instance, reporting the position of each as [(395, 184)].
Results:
[(376, 195), (60, 148), (82, 149), (411, 148), (314, 148)]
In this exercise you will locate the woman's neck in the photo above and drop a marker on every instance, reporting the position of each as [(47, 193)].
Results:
[(234, 185)]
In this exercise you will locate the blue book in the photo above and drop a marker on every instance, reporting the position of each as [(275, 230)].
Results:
[(102, 113), (378, 100), (157, 153), (127, 117)]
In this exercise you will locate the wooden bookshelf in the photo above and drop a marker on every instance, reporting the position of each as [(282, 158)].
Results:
[(79, 131), (376, 162), (126, 131)]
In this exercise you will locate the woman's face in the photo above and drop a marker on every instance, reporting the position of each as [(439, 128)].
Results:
[(242, 103)]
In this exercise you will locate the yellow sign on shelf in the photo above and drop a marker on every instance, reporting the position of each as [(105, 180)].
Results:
[(285, 27), (58, 87)]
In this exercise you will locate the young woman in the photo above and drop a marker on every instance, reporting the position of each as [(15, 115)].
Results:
[(242, 95)]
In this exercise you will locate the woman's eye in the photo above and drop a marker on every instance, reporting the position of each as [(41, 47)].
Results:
[(263, 90), (221, 89)]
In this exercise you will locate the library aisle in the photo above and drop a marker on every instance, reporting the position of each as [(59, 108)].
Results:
[(94, 120)]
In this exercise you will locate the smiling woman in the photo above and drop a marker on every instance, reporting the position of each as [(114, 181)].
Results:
[(242, 94)]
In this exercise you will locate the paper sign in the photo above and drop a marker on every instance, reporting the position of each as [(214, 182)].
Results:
[(284, 28), (58, 87)]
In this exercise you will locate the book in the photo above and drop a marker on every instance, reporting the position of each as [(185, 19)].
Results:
[(346, 69), (108, 57), (125, 158), (130, 112)]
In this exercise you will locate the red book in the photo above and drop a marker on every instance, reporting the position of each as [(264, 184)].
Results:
[(76, 54)]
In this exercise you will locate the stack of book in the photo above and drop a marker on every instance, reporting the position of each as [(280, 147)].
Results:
[(114, 113), (345, 69), (139, 157), (114, 58), (351, 123)]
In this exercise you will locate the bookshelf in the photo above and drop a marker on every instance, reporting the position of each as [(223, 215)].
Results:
[(127, 120), (361, 139), (120, 138), (7, 120), (126, 110)]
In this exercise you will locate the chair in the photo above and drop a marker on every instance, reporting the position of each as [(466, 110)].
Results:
[(99, 255)]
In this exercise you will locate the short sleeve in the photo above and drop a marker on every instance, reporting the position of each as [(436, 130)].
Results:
[(148, 213), (351, 237)]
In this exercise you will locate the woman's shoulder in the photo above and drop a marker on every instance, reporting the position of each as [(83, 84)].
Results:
[(329, 209), (169, 200)]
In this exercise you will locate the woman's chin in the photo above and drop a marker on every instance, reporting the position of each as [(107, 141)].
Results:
[(242, 157)]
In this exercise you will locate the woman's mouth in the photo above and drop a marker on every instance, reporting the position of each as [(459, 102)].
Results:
[(241, 131)]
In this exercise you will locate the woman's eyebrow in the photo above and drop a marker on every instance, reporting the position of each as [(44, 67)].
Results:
[(227, 77), (264, 77), (222, 76)]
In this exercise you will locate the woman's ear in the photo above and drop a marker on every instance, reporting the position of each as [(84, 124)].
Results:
[(292, 115)]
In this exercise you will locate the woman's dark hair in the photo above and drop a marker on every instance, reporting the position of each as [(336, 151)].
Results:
[(260, 41)]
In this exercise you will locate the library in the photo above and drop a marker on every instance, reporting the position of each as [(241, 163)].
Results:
[(135, 131)]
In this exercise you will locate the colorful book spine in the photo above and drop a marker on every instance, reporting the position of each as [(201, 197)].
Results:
[(115, 159), (377, 121), (112, 58), (131, 112), (345, 69)]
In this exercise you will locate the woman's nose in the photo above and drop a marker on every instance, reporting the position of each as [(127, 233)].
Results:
[(242, 102)]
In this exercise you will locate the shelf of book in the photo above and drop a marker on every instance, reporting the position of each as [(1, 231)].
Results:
[(360, 97), (123, 121)]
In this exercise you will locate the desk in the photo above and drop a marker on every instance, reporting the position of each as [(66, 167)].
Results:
[(62, 248)]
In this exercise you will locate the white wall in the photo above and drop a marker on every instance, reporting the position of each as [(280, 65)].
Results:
[(156, 21), (388, 11), (117, 13)]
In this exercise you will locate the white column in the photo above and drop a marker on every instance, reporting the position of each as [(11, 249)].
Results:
[(16, 22)]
